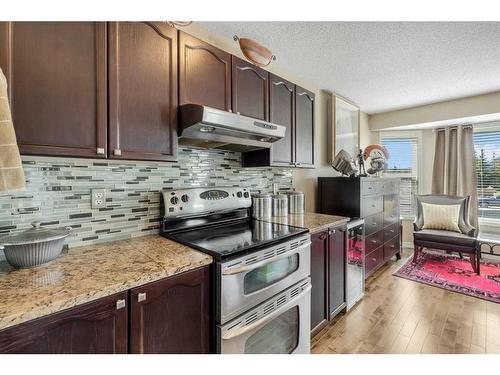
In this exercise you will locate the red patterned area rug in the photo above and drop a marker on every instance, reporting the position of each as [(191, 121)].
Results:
[(454, 274)]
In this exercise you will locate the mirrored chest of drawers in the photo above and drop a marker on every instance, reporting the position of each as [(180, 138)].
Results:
[(374, 199)]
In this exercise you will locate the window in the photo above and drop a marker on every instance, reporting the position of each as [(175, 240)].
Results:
[(403, 163), (487, 153)]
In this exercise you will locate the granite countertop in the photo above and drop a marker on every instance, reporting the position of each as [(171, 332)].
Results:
[(312, 221), (88, 273)]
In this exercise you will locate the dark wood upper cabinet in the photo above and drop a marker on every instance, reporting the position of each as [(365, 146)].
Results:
[(204, 73), (319, 281), (56, 73), (336, 279), (282, 112), (250, 89), (172, 315), (304, 127), (142, 91), (98, 327)]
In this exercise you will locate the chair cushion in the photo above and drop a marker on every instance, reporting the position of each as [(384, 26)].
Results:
[(441, 216), (444, 236)]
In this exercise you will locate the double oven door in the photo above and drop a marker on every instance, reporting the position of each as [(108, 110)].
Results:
[(277, 326), (249, 280)]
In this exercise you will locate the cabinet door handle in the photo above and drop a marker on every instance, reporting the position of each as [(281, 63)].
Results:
[(117, 152), (141, 297), (120, 304), (100, 151)]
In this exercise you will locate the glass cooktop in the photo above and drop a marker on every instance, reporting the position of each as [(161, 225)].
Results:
[(232, 239)]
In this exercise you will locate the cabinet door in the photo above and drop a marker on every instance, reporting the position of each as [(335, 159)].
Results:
[(304, 127), (204, 74), (336, 272), (56, 73), (282, 112), (142, 91), (98, 327), (172, 315), (250, 89), (319, 281)]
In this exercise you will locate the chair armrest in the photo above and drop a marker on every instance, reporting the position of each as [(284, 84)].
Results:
[(416, 227), (470, 231)]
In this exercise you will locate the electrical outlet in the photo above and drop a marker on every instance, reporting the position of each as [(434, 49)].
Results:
[(98, 198)]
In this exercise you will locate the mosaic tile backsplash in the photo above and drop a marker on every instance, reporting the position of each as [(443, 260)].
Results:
[(58, 191)]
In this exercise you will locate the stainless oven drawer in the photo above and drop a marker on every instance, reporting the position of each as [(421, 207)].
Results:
[(280, 325), (251, 279)]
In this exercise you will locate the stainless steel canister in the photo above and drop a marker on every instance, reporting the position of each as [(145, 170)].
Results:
[(261, 206), (280, 205), (296, 202)]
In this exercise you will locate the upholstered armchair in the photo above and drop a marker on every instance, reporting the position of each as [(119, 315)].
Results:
[(464, 242)]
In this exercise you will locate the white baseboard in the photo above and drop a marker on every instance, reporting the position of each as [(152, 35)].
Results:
[(407, 245)]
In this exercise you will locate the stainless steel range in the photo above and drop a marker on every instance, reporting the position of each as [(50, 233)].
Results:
[(261, 274)]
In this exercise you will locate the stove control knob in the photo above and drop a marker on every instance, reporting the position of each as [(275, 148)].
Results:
[(174, 200), (239, 194), (245, 194), (185, 198)]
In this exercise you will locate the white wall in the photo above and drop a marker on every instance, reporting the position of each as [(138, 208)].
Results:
[(479, 105)]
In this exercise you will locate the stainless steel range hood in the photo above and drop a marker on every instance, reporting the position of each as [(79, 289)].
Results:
[(207, 127)]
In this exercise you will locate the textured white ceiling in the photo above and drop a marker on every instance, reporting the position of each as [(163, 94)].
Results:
[(382, 66)]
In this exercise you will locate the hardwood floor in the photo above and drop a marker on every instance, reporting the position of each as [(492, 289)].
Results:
[(400, 316)]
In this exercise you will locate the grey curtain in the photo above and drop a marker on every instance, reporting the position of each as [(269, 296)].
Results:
[(454, 171), (439, 162)]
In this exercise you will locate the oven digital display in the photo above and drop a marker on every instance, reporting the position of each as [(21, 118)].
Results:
[(214, 194)]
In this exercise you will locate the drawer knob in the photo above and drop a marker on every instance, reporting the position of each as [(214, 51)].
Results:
[(120, 304), (141, 297), (374, 259)]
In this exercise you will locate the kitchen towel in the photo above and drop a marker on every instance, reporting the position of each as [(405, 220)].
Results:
[(11, 170)]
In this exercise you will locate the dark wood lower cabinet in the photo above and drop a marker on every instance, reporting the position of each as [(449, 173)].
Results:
[(328, 256), (319, 281), (172, 315), (96, 327), (336, 272)]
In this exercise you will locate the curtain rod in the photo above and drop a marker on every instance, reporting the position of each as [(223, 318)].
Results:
[(464, 126)]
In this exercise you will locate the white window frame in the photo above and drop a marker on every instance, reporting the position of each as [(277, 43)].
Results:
[(486, 224), (387, 134)]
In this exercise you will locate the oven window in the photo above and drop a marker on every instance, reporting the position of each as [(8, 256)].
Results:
[(272, 272), (279, 336)]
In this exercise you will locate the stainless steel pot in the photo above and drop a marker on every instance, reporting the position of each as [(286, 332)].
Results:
[(34, 246), (296, 202), (261, 206), (280, 205)]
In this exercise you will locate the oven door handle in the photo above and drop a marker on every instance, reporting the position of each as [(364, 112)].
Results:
[(234, 271), (267, 318)]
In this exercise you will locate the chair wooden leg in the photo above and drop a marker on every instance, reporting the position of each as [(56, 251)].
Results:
[(416, 251), (472, 258), (460, 255)]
